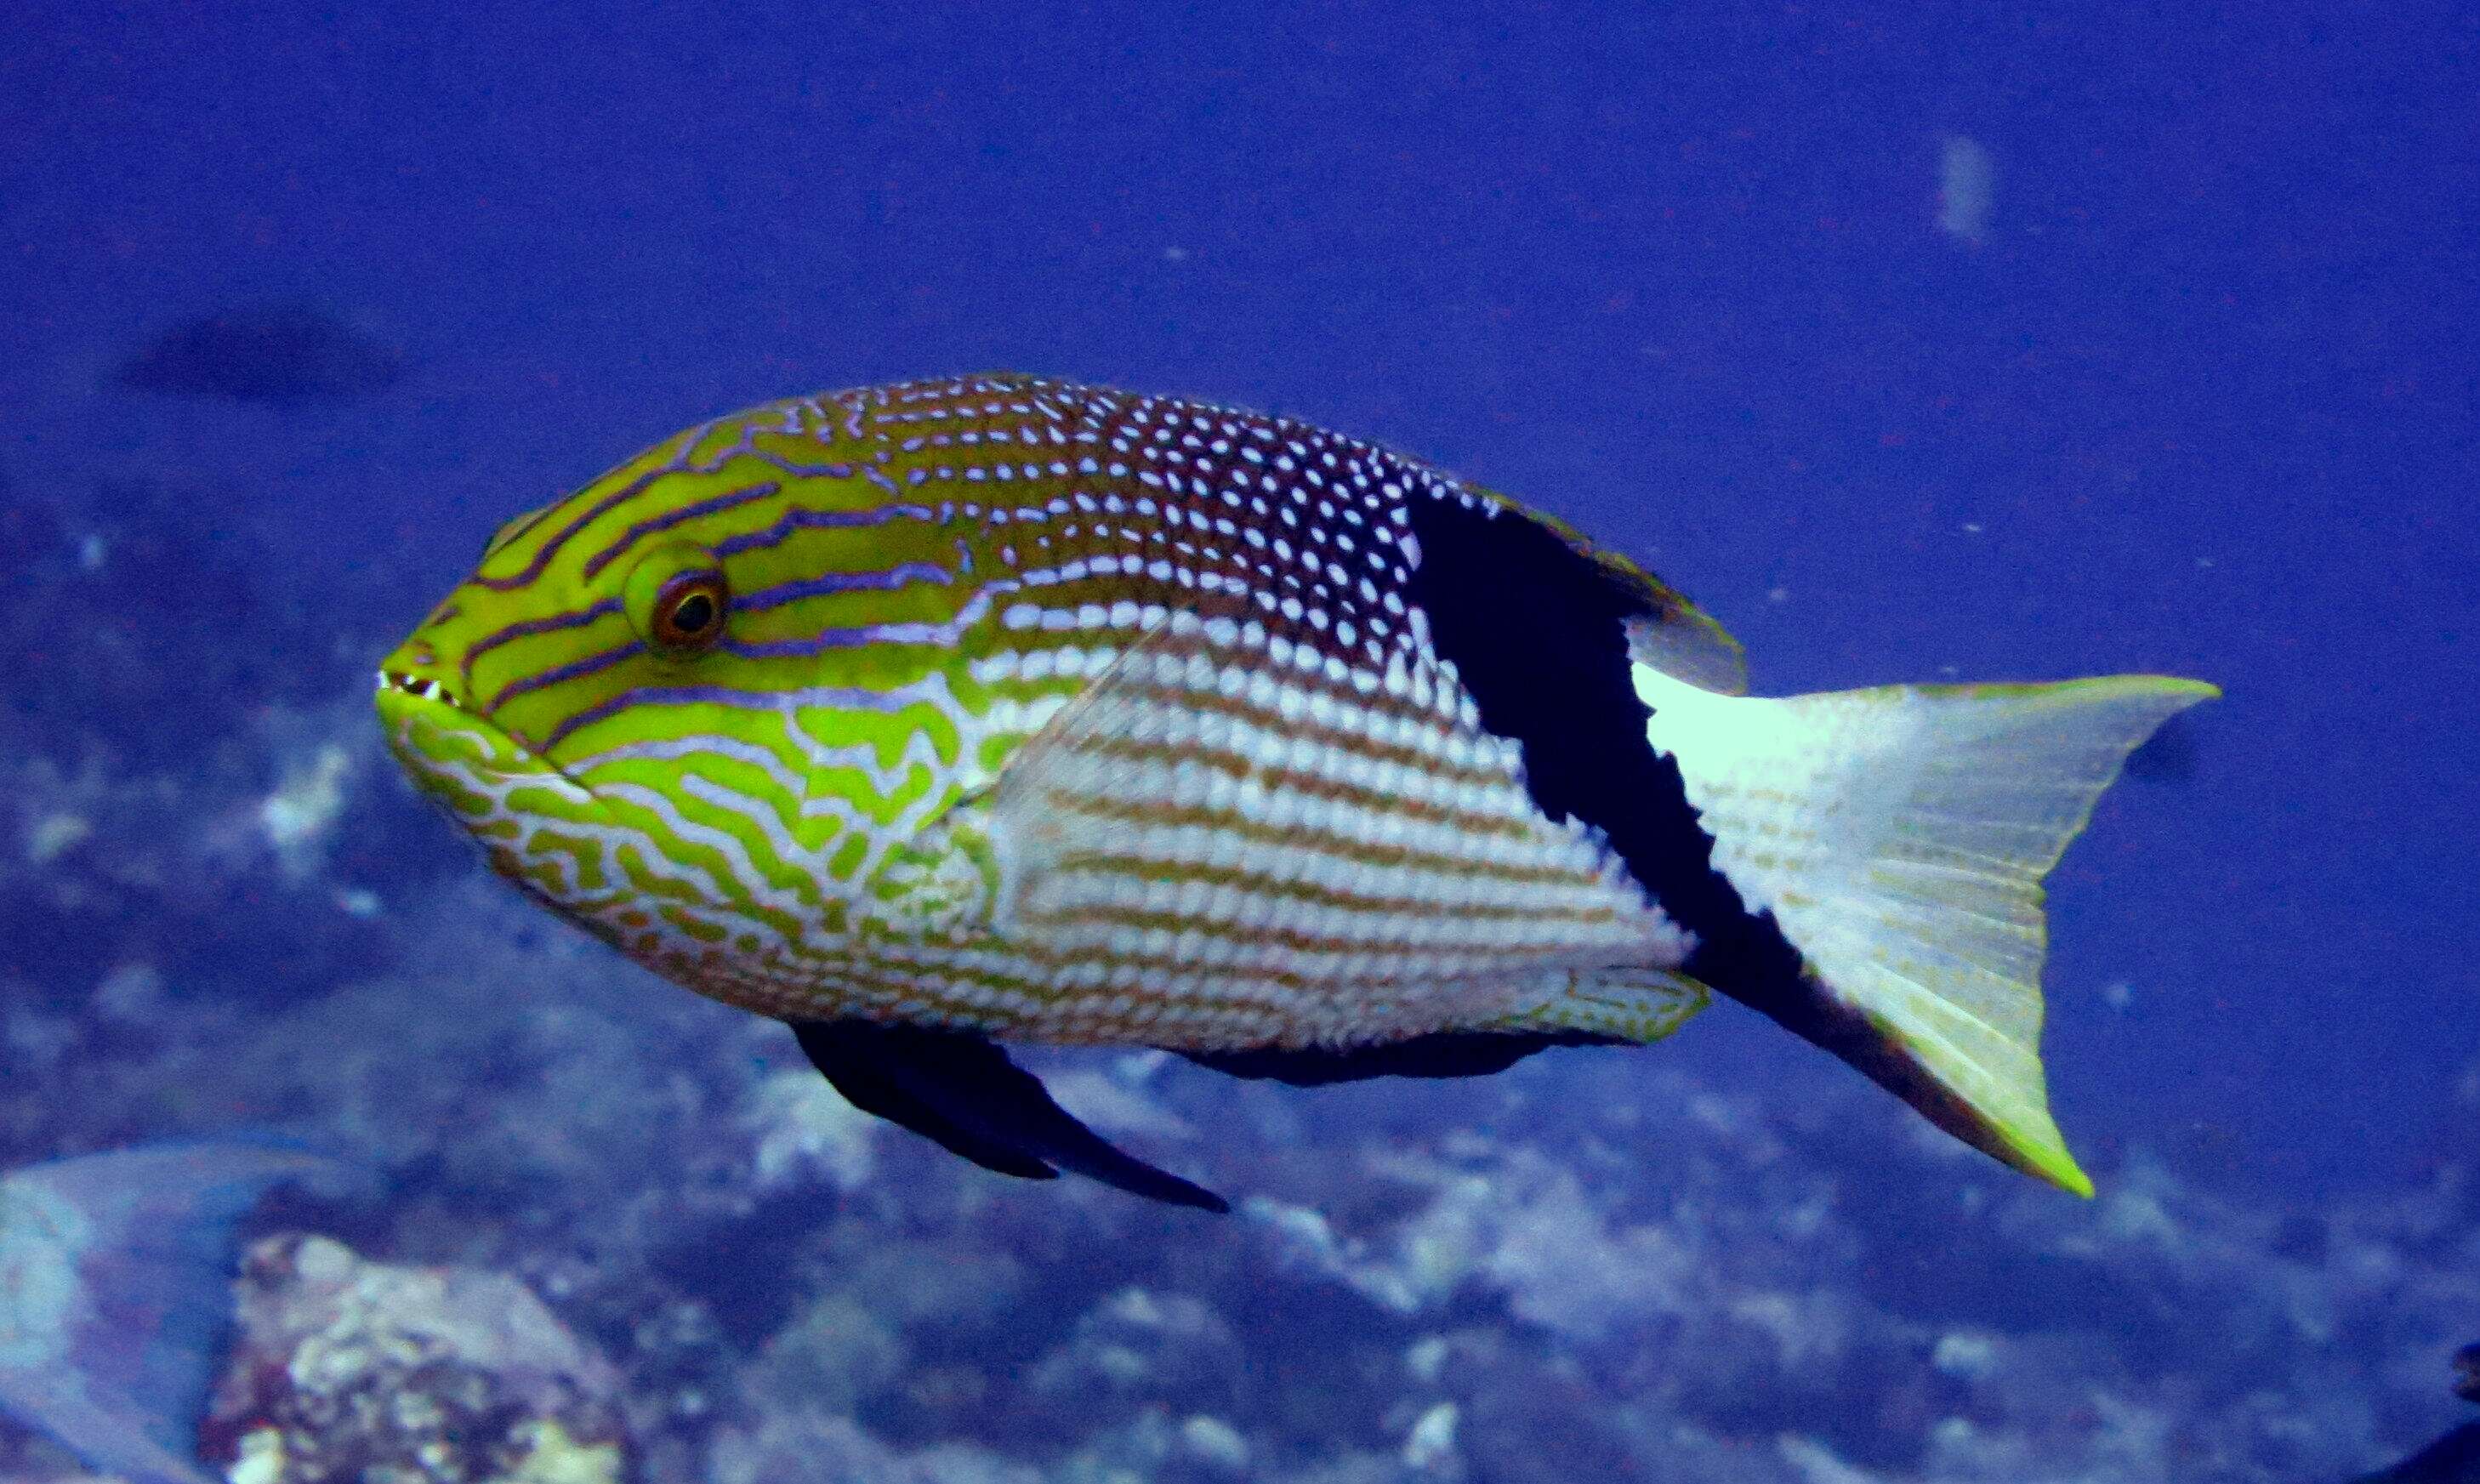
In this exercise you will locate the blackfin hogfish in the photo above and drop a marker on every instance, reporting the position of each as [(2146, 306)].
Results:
[(930, 715)]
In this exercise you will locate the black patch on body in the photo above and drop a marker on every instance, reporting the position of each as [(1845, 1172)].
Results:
[(1436, 1053), (959, 1091), (1537, 631)]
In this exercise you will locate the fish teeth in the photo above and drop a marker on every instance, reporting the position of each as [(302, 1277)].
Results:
[(418, 687)]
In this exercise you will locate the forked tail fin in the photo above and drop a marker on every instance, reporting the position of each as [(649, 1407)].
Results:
[(1898, 835)]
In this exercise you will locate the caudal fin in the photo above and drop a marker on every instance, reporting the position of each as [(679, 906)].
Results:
[(1899, 835)]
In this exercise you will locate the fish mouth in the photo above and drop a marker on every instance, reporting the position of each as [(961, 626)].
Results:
[(419, 688), (452, 751)]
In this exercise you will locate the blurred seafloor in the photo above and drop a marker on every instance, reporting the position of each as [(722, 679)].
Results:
[(1603, 1264), (1924, 342)]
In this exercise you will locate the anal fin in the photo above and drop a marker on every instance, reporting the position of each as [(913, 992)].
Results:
[(1436, 1054), (1631, 1006), (1605, 1007)]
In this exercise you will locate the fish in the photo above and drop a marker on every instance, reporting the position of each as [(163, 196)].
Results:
[(934, 716), (284, 354), (116, 1274)]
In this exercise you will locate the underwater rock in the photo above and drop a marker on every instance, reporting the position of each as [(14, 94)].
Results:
[(2454, 1458), (111, 866), (346, 1370), (1141, 1343), (1430, 1447), (139, 601), (280, 353), (184, 752), (1210, 1440), (1521, 1226), (113, 1290), (835, 1355), (1115, 1102), (792, 1444)]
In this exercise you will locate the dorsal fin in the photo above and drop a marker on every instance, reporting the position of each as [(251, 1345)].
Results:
[(1663, 628)]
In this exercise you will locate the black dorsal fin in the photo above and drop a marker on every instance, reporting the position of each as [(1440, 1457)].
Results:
[(959, 1089), (1663, 628)]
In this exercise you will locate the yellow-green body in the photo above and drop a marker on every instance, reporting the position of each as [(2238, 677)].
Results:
[(808, 821), (1017, 707)]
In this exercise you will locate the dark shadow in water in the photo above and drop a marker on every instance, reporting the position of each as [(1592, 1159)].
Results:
[(278, 353), (2453, 1459)]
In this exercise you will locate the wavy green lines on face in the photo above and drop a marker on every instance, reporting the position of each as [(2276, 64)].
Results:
[(539, 827), (749, 796)]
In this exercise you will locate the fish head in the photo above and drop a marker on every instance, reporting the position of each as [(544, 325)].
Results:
[(472, 705), (623, 703)]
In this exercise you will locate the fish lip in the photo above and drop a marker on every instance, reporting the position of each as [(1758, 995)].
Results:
[(430, 692)]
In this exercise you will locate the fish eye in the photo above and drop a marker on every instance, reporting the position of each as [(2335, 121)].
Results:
[(678, 599), (689, 614)]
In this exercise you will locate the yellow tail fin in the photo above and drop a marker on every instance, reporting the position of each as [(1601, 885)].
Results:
[(1899, 835)]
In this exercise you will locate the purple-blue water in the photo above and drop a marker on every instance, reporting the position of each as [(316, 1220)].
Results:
[(2194, 388)]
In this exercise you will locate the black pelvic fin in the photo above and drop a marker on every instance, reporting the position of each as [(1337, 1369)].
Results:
[(855, 1058), (959, 1091), (1437, 1054)]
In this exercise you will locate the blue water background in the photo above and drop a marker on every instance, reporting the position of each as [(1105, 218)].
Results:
[(2200, 401)]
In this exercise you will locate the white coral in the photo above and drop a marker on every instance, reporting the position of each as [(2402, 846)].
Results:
[(803, 1126)]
